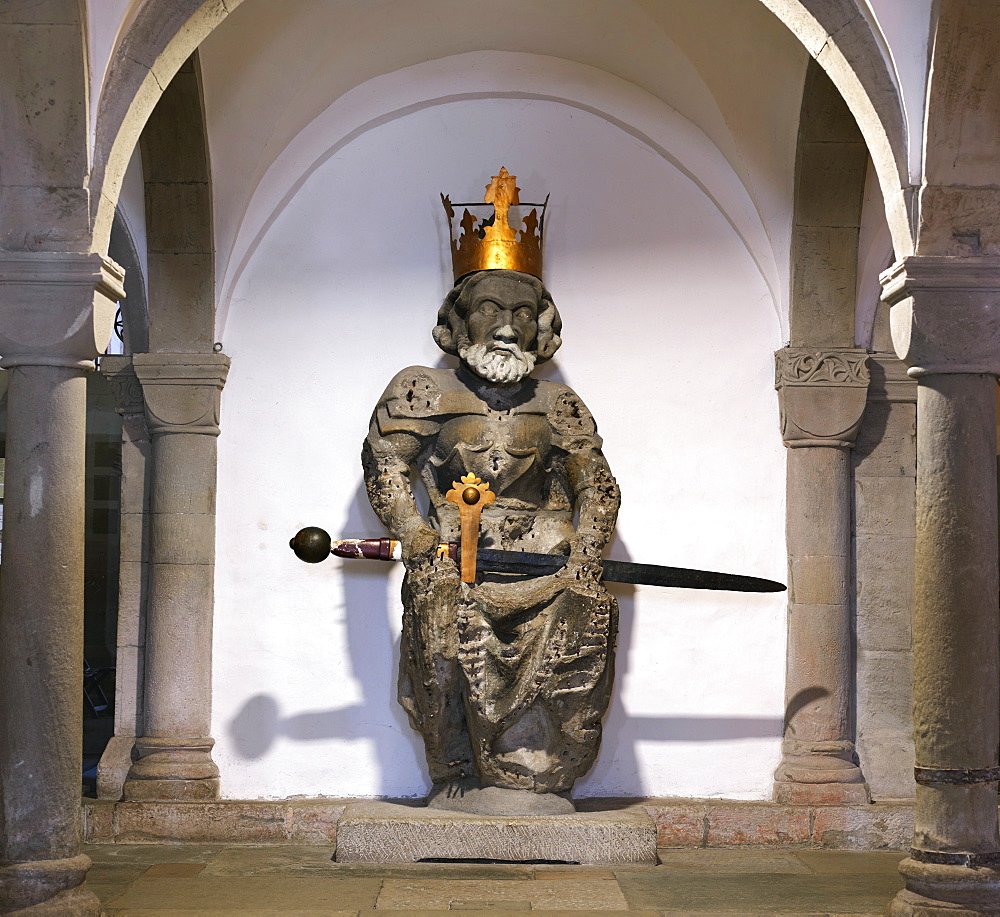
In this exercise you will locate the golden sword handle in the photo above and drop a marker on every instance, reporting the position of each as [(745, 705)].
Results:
[(470, 500)]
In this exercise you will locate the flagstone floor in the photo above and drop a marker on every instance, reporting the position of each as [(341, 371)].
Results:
[(286, 880)]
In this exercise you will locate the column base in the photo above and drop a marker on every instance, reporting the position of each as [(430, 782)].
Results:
[(949, 891), (819, 779), (821, 794), (48, 887), (173, 769), (114, 766)]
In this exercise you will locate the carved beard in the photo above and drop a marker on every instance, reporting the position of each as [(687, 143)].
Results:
[(498, 364)]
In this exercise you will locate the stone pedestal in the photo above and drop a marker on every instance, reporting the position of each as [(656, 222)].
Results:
[(946, 327), (174, 753), (822, 397), (383, 832), (52, 324)]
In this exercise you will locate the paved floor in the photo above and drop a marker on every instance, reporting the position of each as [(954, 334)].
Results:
[(217, 880)]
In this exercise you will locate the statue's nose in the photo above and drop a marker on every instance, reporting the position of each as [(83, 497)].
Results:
[(506, 334)]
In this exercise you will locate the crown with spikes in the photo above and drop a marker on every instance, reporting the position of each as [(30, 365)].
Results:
[(488, 242)]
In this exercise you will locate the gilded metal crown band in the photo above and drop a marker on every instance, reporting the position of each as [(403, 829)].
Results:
[(490, 243)]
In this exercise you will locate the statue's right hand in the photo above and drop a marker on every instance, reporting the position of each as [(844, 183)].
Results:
[(419, 543)]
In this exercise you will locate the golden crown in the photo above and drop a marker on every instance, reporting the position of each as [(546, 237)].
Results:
[(489, 243)]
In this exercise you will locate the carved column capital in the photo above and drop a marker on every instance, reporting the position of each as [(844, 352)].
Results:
[(57, 308), (182, 390), (124, 383), (945, 315), (821, 395)]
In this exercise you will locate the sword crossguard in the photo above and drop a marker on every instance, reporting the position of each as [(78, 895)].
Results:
[(470, 497)]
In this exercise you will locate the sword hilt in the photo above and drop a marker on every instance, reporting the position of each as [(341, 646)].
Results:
[(470, 500)]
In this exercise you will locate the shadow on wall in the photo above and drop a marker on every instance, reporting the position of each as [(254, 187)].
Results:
[(261, 722)]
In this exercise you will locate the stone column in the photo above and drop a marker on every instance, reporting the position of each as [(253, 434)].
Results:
[(174, 755), (822, 398), (946, 326), (132, 576), (52, 325)]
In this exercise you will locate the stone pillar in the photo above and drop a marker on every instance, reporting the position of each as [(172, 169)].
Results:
[(174, 755), (132, 576), (822, 398), (56, 311), (946, 326)]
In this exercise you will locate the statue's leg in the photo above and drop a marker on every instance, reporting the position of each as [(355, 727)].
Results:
[(431, 686), (537, 695)]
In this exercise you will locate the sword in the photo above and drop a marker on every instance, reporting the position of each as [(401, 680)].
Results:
[(313, 545)]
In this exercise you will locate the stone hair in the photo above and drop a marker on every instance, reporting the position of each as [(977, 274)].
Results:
[(451, 331)]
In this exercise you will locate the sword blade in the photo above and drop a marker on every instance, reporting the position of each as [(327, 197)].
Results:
[(490, 560)]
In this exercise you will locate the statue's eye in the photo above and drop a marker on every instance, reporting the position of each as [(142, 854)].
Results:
[(488, 308), (524, 314)]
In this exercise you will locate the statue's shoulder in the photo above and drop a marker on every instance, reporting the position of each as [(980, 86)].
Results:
[(419, 398), (566, 412)]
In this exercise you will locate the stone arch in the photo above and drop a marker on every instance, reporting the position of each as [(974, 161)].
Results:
[(162, 36)]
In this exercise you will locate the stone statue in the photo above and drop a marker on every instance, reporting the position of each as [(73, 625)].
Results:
[(507, 678)]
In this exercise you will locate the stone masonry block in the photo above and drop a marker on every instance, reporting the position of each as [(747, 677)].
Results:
[(679, 825), (311, 822), (206, 823), (826, 170), (178, 211), (760, 825), (180, 296), (888, 765), (885, 506), (824, 285), (887, 441), (131, 601), (884, 827), (134, 539), (885, 692), (379, 832), (884, 592)]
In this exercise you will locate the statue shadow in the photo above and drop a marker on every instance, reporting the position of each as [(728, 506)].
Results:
[(377, 716)]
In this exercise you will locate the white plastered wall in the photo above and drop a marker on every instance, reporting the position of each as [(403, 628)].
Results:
[(670, 327)]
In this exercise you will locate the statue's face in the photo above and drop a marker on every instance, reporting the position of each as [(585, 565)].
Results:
[(503, 311), (502, 327)]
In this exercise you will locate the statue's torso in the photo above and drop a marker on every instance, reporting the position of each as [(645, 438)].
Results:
[(514, 438)]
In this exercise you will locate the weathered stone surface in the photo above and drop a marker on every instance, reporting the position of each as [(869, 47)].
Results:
[(757, 825), (885, 506), (313, 823), (680, 826), (506, 895), (881, 827), (887, 441), (506, 681), (885, 592), (379, 832), (199, 823)]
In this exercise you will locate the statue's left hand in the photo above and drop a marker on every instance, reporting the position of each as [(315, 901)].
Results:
[(584, 562)]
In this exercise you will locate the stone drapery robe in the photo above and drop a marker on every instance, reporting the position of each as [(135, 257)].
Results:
[(506, 679)]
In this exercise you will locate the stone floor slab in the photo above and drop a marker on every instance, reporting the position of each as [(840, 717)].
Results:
[(246, 894), (845, 863), (760, 892), (271, 861), (679, 861), (152, 853), (380, 832), (592, 894)]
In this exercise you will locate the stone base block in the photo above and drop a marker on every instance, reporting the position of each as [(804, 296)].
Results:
[(382, 832), (821, 794), (679, 822)]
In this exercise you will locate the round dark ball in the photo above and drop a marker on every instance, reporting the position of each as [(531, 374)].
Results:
[(471, 495), (311, 544)]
